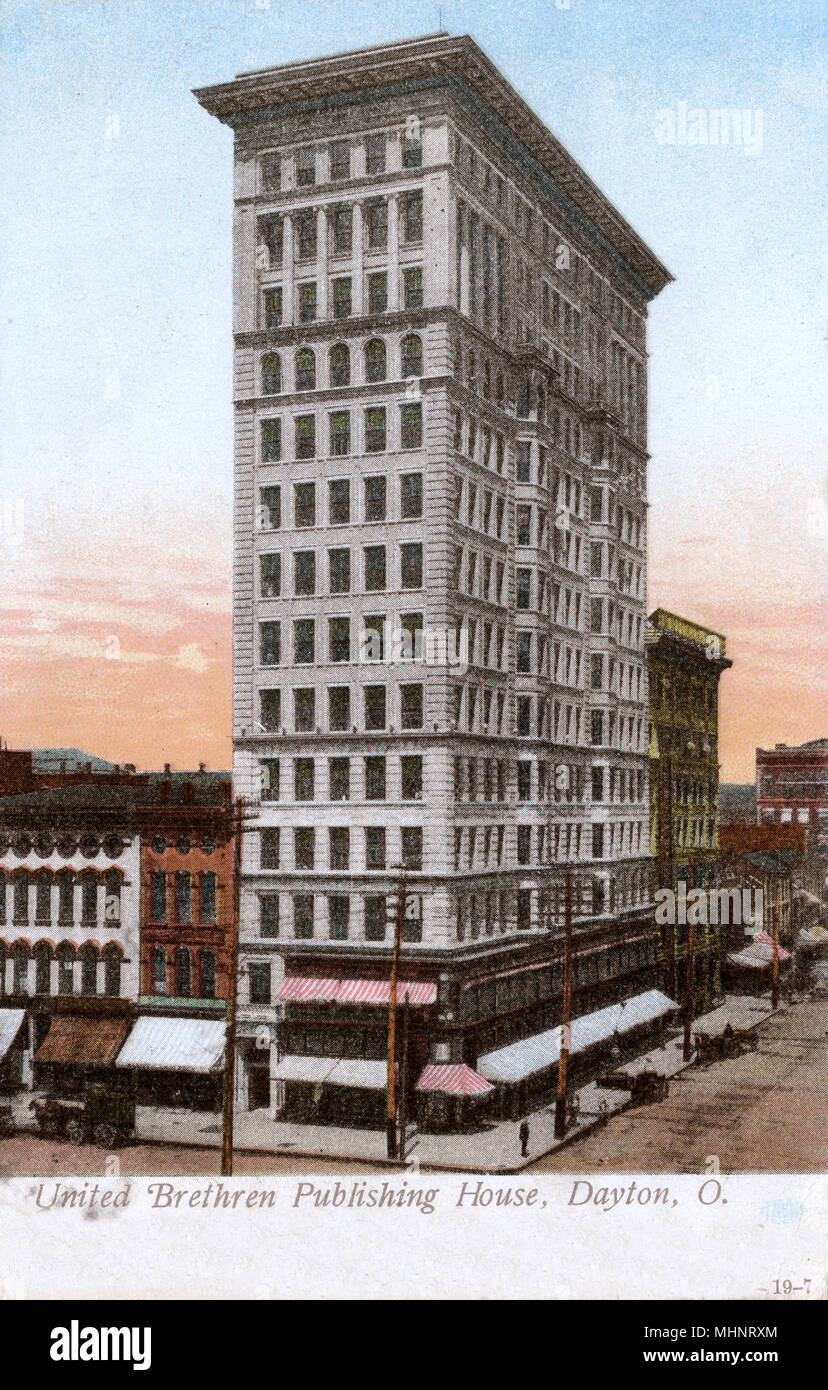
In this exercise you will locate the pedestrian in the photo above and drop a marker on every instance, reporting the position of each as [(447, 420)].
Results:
[(523, 1136)]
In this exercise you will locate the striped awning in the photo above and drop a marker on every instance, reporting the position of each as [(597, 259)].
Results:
[(419, 992), (308, 989), (174, 1044), (453, 1080), (82, 1039), (11, 1021)]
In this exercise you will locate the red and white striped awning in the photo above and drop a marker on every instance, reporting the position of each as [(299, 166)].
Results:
[(308, 989), (454, 1079), (379, 992)]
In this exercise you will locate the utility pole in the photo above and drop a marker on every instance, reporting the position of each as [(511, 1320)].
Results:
[(563, 1063), (236, 821), (775, 988), (391, 1080), (404, 1077), (688, 975)]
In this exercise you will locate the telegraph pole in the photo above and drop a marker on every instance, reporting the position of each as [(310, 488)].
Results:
[(391, 1080), (775, 988), (563, 1063), (688, 976), (237, 822), (404, 1077)]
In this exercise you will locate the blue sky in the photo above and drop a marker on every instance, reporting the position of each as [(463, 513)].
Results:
[(116, 417)]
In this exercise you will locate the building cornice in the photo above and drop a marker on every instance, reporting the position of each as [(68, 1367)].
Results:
[(457, 62)]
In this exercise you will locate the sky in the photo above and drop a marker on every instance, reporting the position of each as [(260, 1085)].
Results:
[(115, 346)]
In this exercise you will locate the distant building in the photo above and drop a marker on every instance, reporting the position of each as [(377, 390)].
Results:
[(685, 662), (737, 803), (792, 789)]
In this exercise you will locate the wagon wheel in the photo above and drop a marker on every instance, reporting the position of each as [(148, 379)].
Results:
[(74, 1131), (105, 1135)]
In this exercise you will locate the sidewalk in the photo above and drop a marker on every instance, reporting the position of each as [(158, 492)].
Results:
[(493, 1147)]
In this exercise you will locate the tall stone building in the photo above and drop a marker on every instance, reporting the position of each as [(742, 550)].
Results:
[(685, 662), (440, 566)]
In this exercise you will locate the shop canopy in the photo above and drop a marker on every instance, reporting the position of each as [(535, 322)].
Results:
[(758, 955), (521, 1059), (82, 1039), (334, 1071), (11, 1021), (453, 1080), (812, 936), (310, 990), (174, 1044)]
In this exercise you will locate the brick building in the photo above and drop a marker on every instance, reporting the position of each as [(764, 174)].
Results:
[(440, 565), (792, 789)]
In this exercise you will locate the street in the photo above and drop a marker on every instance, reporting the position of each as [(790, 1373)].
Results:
[(27, 1154), (763, 1112)]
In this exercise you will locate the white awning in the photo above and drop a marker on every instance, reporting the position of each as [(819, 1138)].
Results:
[(311, 1069), (354, 1071), (530, 1055), (11, 1021), (174, 1044)]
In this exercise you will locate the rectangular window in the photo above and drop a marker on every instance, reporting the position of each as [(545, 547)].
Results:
[(375, 499), (413, 287), (303, 779), (524, 525), (411, 698), (412, 777), (339, 848), (523, 461), (271, 170), (260, 982), (339, 571), (183, 897), (339, 502), (412, 149), (375, 429), (596, 614), (270, 644), (303, 915), (411, 496), (304, 572), (340, 159), (597, 671), (304, 504), (413, 217), (597, 727), (339, 779), (412, 848), (207, 909), (305, 436), (375, 910), (304, 847), (375, 707), (597, 784), (597, 841), (411, 565), (524, 588), (270, 508), (307, 302), (342, 297), (340, 422), (272, 308), (524, 844), (159, 897), (339, 911), (268, 914), (524, 653), (375, 568), (269, 845), (306, 167), (375, 779), (375, 154), (270, 576), (411, 426), (524, 715), (271, 441), (339, 708), (339, 639), (377, 292), (304, 711), (269, 779), (270, 711), (376, 222)]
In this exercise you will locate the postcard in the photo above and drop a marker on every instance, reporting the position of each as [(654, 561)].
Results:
[(414, 758)]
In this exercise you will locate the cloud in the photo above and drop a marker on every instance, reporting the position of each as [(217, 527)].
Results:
[(191, 658)]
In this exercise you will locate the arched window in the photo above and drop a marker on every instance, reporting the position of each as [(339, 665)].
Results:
[(43, 960), (21, 897), (112, 900), (375, 360), (66, 896), (21, 969), (412, 355), (271, 374), (89, 970), (112, 972), (159, 971), (66, 969), (340, 365), (89, 897), (183, 974), (305, 370), (43, 897), (208, 974)]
